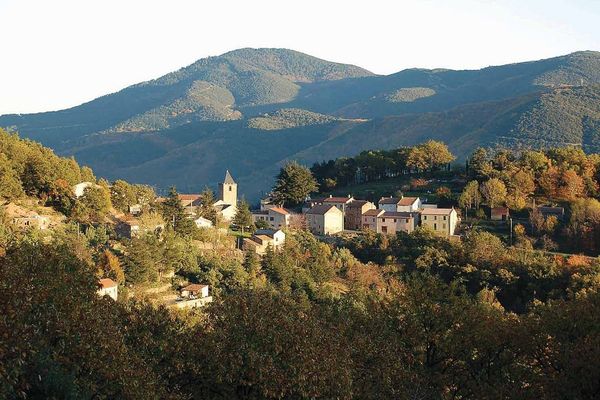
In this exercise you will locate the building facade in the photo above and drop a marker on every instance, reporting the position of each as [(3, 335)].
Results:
[(442, 221), (354, 213), (325, 219)]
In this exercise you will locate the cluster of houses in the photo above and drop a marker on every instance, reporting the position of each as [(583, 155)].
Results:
[(331, 215)]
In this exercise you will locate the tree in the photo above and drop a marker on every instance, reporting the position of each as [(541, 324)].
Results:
[(109, 266), (470, 196), (494, 191), (294, 183), (175, 215), (93, 206), (479, 164), (206, 209), (430, 155), (243, 216), (122, 195), (10, 184)]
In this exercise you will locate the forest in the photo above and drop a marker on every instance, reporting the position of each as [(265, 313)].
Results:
[(365, 316)]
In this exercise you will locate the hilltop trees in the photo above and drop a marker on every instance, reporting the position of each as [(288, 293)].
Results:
[(294, 183), (430, 155)]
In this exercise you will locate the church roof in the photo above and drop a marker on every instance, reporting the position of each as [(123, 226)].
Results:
[(228, 179)]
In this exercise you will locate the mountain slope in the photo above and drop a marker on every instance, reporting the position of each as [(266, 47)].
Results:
[(249, 110)]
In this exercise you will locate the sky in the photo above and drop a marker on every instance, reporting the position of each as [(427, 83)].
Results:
[(60, 53)]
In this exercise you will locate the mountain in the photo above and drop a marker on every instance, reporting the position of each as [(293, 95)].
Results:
[(249, 110)]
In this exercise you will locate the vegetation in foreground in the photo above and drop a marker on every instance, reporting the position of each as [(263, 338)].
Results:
[(370, 316)]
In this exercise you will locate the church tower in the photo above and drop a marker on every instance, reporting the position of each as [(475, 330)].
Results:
[(228, 190)]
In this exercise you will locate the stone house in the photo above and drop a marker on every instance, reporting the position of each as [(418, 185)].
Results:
[(325, 219), (442, 221), (369, 219), (262, 239), (392, 222), (499, 214), (354, 213)]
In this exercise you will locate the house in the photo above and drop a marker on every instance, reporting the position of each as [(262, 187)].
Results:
[(276, 217), (267, 203), (79, 189), (190, 202), (135, 209), (390, 222), (400, 204), (226, 206), (128, 228), (108, 287), (369, 219), (354, 213), (499, 214), (202, 222), (262, 239), (558, 212), (193, 295), (442, 221), (325, 219), (25, 219)]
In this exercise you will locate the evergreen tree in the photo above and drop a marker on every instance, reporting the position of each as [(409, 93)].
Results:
[(294, 183), (174, 214), (243, 216), (206, 210)]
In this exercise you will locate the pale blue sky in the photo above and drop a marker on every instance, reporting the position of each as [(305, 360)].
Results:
[(60, 53)]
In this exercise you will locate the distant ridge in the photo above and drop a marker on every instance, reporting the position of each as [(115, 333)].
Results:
[(187, 126)]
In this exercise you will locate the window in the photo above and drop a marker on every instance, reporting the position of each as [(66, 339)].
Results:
[(272, 219), (424, 217), (435, 218), (382, 219), (230, 188), (435, 227), (394, 219), (373, 219), (444, 226), (444, 217)]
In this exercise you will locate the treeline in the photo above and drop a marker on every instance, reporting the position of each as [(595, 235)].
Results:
[(417, 338), (561, 176), (378, 164)]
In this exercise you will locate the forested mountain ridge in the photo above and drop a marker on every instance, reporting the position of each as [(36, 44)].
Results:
[(191, 124)]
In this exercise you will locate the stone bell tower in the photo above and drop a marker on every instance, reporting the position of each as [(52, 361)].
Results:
[(228, 190)]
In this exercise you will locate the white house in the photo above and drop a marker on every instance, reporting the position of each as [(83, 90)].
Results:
[(276, 217), (79, 189), (263, 238), (193, 295), (325, 219), (108, 287), (400, 204), (202, 222)]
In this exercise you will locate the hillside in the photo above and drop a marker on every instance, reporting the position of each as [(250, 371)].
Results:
[(189, 125)]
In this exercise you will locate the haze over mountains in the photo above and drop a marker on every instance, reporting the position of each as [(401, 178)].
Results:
[(249, 110)]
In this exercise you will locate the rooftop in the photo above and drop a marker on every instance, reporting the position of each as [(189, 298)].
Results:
[(107, 283), (373, 213), (194, 287), (228, 179), (321, 209), (394, 214), (437, 211), (279, 210), (331, 199)]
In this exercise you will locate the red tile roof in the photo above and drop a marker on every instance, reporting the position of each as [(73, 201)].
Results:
[(407, 201), (107, 283), (188, 197), (194, 287), (280, 210)]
